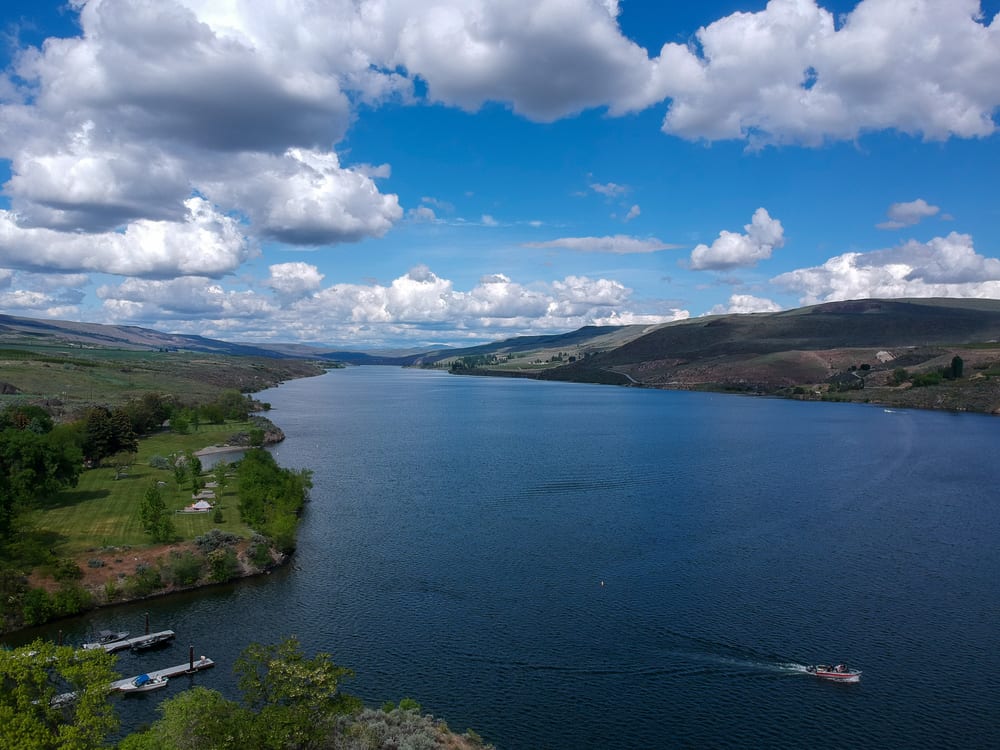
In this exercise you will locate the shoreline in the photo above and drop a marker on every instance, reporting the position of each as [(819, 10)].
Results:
[(119, 564)]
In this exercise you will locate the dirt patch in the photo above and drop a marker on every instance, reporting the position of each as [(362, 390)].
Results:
[(117, 564)]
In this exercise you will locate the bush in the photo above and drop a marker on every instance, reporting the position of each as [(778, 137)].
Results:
[(36, 606), (223, 565), (926, 379), (184, 568), (145, 581), (67, 570), (215, 539), (71, 599), (160, 462), (259, 552)]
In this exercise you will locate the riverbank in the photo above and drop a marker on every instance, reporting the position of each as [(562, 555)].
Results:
[(96, 553)]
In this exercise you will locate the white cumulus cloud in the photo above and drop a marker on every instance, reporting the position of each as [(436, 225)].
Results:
[(732, 250), (745, 303), (204, 243), (943, 267), (906, 214)]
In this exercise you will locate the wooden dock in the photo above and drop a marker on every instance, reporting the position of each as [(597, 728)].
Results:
[(163, 635), (189, 667)]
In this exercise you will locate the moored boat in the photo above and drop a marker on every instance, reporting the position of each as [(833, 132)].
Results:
[(151, 641), (105, 637), (838, 672), (144, 683)]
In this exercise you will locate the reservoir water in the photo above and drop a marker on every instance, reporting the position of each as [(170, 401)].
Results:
[(573, 566)]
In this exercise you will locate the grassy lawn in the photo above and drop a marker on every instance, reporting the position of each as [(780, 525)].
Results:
[(104, 512)]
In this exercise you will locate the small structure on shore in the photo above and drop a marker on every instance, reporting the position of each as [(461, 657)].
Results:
[(201, 506)]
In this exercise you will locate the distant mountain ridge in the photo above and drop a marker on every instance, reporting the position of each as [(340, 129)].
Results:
[(834, 325)]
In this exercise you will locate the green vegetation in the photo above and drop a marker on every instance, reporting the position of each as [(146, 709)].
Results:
[(288, 700), (31, 715), (271, 498), (56, 508)]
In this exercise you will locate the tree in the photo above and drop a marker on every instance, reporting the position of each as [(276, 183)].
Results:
[(122, 462), (289, 701), (26, 417), (106, 433), (197, 719), (220, 474), (33, 676), (296, 698), (33, 465), (154, 516), (194, 467), (957, 366), (180, 468)]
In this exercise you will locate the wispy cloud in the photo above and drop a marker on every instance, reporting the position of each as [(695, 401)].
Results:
[(907, 214), (618, 244)]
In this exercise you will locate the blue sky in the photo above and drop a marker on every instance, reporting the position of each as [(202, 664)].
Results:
[(408, 173)]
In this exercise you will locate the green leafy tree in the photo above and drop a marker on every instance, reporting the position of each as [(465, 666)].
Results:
[(153, 514), (26, 417), (194, 469), (235, 405), (197, 719), (957, 366), (180, 469), (106, 433), (220, 475), (179, 423), (296, 698), (289, 701), (31, 678), (31, 466)]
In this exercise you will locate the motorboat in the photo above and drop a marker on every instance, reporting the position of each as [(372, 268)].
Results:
[(144, 684), (151, 641), (838, 672), (105, 637)]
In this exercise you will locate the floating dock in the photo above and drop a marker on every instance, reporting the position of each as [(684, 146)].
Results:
[(189, 667), (163, 635)]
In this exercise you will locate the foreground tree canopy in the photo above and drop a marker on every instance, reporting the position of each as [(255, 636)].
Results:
[(36, 709), (288, 702)]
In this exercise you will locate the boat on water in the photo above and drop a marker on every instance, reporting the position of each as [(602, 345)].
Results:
[(151, 641), (144, 683), (837, 672), (104, 637)]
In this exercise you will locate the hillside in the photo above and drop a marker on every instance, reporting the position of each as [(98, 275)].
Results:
[(843, 350), (851, 350)]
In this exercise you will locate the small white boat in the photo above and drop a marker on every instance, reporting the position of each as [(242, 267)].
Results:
[(838, 672), (105, 637), (144, 683)]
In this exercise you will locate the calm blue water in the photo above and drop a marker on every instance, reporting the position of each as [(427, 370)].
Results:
[(574, 566)]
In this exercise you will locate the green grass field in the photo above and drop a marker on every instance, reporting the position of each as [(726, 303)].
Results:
[(102, 511)]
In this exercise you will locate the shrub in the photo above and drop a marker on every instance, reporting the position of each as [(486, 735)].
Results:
[(71, 599), (160, 462), (184, 568), (215, 539), (36, 606), (222, 564), (67, 570), (259, 552), (145, 581)]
